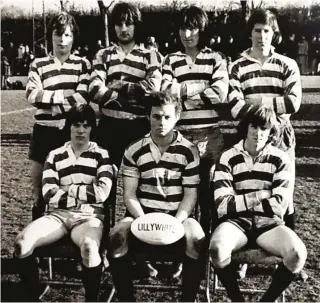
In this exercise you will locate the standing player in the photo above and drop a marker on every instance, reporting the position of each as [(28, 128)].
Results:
[(77, 180), (251, 190), (160, 174), (122, 75), (263, 77), (198, 76), (55, 83)]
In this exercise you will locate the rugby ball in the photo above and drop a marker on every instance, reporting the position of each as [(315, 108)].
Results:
[(157, 229)]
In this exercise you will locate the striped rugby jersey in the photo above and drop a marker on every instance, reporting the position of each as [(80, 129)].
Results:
[(89, 177), (277, 82), (140, 67), (53, 87), (162, 177), (238, 177), (201, 85)]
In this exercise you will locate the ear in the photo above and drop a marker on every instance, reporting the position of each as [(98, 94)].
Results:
[(178, 116)]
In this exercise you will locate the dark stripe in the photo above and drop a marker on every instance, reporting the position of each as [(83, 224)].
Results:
[(253, 175), (167, 183), (197, 121), (168, 198), (78, 169), (263, 90), (194, 76)]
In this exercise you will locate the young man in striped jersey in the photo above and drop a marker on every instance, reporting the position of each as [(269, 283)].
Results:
[(251, 194), (160, 174), (55, 83), (199, 77), (77, 180), (122, 74), (263, 77)]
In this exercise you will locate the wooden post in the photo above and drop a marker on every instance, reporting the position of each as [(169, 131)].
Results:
[(104, 15)]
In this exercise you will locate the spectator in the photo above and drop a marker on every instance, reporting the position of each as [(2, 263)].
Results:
[(5, 72), (302, 59), (314, 54), (42, 51), (291, 47)]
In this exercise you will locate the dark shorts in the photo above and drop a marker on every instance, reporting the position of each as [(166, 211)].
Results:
[(251, 230), (45, 139), (115, 135)]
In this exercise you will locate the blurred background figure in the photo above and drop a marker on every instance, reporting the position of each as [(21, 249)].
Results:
[(314, 54), (291, 47), (41, 51), (5, 72), (302, 58)]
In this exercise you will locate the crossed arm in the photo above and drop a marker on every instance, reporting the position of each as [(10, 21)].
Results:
[(60, 100), (71, 195)]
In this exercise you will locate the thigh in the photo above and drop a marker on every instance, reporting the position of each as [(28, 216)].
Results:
[(229, 237), (43, 231), (89, 229), (280, 241)]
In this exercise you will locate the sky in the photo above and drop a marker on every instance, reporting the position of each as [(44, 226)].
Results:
[(88, 4)]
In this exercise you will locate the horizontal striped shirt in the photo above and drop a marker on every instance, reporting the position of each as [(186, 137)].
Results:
[(276, 82), (162, 177), (200, 85), (53, 87), (89, 178), (140, 67), (239, 178)]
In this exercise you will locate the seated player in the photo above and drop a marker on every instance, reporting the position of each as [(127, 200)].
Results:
[(252, 192), (160, 174), (77, 179)]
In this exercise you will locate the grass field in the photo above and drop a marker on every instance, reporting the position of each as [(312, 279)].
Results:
[(16, 199)]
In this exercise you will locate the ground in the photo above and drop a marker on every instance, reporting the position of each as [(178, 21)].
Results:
[(16, 199)]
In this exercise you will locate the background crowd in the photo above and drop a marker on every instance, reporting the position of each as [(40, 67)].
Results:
[(299, 28)]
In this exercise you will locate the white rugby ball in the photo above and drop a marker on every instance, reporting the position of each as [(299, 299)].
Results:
[(157, 229)]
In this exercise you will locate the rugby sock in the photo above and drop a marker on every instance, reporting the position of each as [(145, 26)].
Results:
[(228, 278), (91, 279), (192, 273), (29, 276), (121, 270), (281, 280)]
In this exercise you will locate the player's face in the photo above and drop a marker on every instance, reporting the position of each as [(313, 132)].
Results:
[(189, 37), (125, 31), (80, 133), (163, 119), (262, 35), (257, 136), (62, 44)]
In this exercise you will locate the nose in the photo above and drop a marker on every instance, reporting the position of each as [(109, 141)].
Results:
[(123, 27), (80, 129), (188, 33)]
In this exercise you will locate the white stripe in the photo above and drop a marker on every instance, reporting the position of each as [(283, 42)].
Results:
[(17, 111)]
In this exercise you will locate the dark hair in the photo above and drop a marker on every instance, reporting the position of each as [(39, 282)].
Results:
[(262, 116), (160, 99), (81, 113), (264, 16), (59, 23), (194, 17), (130, 13)]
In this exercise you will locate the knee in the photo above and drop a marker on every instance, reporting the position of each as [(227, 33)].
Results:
[(220, 257), (22, 247), (90, 253), (296, 258), (195, 238), (117, 244)]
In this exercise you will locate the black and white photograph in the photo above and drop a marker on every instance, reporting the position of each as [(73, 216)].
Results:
[(160, 150)]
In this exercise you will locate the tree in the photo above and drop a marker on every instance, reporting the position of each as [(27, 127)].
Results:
[(104, 14)]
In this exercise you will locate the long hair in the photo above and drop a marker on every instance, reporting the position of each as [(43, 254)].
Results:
[(59, 24), (267, 17), (127, 12), (82, 113), (193, 17), (262, 116)]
